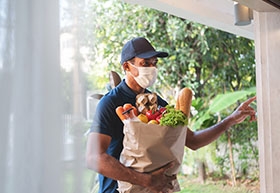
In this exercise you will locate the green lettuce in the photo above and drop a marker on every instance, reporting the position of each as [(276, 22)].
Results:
[(173, 117)]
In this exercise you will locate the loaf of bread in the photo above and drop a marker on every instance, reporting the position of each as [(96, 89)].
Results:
[(184, 101), (146, 102)]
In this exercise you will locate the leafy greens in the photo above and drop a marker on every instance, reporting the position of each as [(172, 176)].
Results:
[(173, 117)]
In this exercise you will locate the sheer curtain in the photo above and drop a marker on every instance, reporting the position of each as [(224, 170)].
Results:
[(31, 126)]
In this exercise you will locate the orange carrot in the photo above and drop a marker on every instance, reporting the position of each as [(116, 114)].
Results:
[(128, 106), (119, 111), (135, 111)]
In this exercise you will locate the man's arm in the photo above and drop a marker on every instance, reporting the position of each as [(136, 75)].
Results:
[(198, 139), (98, 160)]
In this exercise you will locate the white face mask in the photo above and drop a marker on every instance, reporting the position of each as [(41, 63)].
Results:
[(146, 76)]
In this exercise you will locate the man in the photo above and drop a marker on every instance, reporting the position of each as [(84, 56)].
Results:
[(139, 60)]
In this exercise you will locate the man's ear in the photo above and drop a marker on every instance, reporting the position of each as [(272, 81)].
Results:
[(125, 66)]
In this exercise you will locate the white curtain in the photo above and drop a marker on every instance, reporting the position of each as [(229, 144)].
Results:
[(31, 134)]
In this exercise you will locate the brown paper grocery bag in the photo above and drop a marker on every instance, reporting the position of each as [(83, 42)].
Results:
[(148, 147)]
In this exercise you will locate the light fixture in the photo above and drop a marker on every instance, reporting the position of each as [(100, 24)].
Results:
[(243, 15)]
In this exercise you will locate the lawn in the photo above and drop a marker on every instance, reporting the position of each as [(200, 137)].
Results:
[(194, 186), (187, 184)]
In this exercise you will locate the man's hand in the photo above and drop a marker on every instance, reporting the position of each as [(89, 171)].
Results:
[(160, 182), (243, 111)]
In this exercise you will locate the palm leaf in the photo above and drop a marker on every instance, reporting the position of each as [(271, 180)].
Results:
[(223, 101)]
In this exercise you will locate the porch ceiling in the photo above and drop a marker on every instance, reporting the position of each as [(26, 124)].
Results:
[(214, 13)]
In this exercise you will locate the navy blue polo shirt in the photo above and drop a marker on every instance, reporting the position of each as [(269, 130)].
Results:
[(107, 122)]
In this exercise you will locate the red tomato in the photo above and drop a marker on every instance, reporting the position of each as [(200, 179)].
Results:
[(158, 118), (162, 110), (152, 115)]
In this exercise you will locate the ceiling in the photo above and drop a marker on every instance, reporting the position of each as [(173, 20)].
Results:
[(214, 13)]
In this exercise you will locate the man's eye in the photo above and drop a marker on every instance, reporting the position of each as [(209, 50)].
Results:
[(150, 62)]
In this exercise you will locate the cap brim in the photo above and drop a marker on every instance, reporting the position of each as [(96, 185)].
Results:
[(151, 54)]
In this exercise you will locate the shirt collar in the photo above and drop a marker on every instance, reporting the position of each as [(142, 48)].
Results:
[(123, 86)]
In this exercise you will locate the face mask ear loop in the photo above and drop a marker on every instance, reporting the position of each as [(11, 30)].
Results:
[(128, 71)]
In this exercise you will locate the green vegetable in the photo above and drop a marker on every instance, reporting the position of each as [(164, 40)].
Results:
[(173, 117)]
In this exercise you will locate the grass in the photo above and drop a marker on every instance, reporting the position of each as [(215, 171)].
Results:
[(194, 186), (187, 184), (211, 188)]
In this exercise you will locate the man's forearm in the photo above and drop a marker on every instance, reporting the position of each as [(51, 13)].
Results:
[(112, 168), (198, 139)]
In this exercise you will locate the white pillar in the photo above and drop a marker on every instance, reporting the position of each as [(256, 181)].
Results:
[(267, 45)]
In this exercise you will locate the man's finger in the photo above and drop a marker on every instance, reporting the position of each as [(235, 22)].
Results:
[(169, 186), (164, 168), (173, 177), (168, 166), (249, 101)]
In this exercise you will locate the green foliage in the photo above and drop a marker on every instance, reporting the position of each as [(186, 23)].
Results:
[(223, 101), (201, 117), (202, 58)]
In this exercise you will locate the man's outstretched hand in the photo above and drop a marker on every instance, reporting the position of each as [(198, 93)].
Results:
[(243, 111)]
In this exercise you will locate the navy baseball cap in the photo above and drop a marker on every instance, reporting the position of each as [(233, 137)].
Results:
[(141, 48)]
